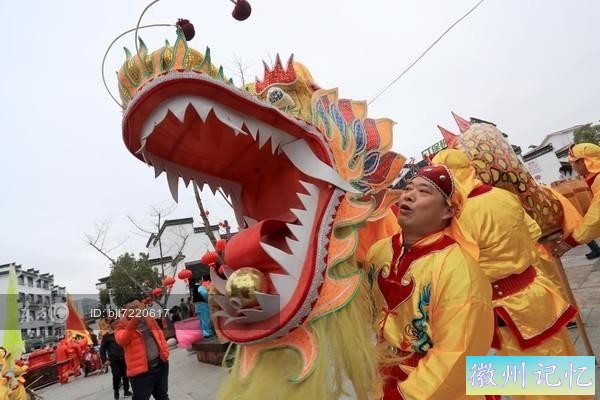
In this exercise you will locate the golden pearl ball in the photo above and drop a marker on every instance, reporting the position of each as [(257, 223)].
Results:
[(242, 285)]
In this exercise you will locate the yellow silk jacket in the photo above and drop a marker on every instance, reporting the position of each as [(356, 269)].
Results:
[(3, 388), (434, 308), (590, 228), (496, 220)]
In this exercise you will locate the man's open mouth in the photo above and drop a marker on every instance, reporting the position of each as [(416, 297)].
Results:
[(405, 209), (276, 172)]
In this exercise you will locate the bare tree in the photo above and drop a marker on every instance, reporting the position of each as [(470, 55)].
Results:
[(159, 216), (98, 242), (209, 232), (240, 68)]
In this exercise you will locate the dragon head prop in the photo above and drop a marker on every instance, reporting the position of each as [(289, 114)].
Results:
[(496, 164), (306, 173)]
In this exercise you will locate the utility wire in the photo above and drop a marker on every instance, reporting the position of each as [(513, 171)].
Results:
[(425, 52)]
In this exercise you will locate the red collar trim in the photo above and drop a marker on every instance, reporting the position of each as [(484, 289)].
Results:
[(396, 289), (590, 179), (479, 190)]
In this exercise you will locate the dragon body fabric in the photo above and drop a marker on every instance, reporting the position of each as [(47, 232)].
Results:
[(496, 164), (308, 174)]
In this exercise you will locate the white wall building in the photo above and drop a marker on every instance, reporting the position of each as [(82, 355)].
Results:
[(548, 162), (182, 246), (85, 306), (37, 294), (543, 164)]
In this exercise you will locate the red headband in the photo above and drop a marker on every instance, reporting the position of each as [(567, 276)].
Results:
[(440, 177)]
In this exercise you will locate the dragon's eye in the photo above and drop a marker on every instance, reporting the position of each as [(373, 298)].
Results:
[(275, 94)]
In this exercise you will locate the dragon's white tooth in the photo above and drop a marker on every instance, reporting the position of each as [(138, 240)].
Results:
[(199, 183), (263, 137), (230, 118), (227, 271), (202, 107), (159, 167), (173, 180), (312, 190), (155, 118), (217, 281), (213, 187), (256, 315), (250, 221), (277, 136), (270, 303), (241, 319), (300, 154), (186, 179), (303, 216), (297, 246), (291, 263), (299, 231), (285, 285), (223, 302), (252, 127), (178, 107)]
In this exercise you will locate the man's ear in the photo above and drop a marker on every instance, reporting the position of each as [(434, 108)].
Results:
[(449, 212)]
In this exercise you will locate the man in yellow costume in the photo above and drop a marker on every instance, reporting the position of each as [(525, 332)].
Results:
[(3, 370), (530, 312), (585, 159), (433, 302)]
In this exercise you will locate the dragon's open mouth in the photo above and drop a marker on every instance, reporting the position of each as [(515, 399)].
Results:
[(276, 171)]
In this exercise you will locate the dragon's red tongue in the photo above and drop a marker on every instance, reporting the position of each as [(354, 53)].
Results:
[(244, 249)]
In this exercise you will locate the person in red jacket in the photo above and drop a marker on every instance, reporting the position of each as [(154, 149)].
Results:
[(63, 361), (146, 353), (75, 355)]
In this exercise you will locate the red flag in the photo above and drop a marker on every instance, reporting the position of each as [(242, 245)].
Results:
[(449, 137), (74, 325), (462, 123)]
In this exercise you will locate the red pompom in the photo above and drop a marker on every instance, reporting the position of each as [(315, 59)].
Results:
[(242, 10), (187, 28)]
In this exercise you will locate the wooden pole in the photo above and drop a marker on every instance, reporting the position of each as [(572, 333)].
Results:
[(582, 332), (571, 297)]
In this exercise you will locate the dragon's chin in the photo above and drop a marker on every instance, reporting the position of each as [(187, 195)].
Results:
[(277, 173)]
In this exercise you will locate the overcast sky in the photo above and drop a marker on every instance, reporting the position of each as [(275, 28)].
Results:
[(531, 67)]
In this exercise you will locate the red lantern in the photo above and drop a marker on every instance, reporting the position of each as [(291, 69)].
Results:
[(220, 245), (168, 281), (209, 258), (184, 274), (157, 292), (147, 300)]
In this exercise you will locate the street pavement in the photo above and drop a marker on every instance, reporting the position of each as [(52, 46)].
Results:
[(192, 380)]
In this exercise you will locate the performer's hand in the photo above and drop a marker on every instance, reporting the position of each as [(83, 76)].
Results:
[(560, 248)]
